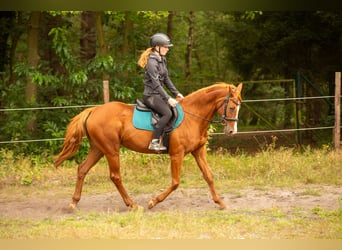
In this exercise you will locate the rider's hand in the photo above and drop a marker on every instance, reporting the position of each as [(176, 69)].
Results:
[(172, 102), (180, 96)]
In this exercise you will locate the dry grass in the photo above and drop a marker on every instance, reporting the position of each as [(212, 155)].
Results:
[(35, 177)]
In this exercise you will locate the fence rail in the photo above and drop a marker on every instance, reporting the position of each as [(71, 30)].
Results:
[(45, 108), (93, 105), (242, 132)]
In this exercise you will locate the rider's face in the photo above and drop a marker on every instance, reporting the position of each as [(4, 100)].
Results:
[(163, 50)]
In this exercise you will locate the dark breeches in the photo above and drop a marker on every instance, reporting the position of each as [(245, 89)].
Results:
[(156, 103)]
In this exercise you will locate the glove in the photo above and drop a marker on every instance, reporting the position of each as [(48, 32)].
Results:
[(172, 102), (180, 95)]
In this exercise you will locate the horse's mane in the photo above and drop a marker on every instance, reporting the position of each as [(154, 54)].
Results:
[(207, 90), (201, 97)]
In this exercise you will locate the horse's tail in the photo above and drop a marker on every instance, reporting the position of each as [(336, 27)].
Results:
[(73, 136)]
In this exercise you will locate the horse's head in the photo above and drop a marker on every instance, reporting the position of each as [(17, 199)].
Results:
[(229, 109)]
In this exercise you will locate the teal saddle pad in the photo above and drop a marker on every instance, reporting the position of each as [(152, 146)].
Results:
[(143, 119)]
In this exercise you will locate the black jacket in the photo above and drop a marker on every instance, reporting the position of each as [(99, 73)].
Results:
[(156, 76)]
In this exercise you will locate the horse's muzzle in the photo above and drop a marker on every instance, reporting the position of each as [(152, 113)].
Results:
[(230, 130)]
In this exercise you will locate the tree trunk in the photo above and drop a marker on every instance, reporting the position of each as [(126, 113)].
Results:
[(88, 36), (20, 28), (7, 21), (48, 54), (127, 27), (32, 61), (188, 54), (103, 47), (170, 24)]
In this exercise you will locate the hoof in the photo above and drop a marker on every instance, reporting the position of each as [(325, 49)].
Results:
[(72, 207), (152, 203), (135, 207), (222, 206)]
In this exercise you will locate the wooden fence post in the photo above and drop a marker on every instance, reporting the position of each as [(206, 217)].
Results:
[(337, 133), (105, 91)]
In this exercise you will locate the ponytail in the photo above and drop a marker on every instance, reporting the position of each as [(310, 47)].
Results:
[(143, 57)]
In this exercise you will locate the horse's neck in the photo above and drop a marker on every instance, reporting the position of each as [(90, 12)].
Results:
[(202, 104), (206, 101)]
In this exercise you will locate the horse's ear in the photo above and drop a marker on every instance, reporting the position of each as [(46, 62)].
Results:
[(239, 87)]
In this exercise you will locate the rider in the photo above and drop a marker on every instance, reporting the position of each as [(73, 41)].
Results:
[(156, 77)]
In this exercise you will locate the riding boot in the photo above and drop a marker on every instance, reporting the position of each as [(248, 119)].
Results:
[(156, 145)]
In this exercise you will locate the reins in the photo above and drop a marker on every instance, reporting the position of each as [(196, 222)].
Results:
[(198, 116), (223, 118)]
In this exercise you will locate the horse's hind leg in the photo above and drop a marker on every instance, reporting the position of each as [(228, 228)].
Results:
[(93, 157), (200, 157), (115, 176)]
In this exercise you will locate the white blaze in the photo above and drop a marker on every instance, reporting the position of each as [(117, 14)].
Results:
[(236, 117)]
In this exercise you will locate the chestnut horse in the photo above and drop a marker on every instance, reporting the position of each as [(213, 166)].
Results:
[(109, 126)]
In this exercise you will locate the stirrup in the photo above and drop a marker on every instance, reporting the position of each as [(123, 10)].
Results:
[(156, 146)]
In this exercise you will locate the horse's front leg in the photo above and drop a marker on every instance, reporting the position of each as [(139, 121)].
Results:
[(176, 165), (201, 159), (115, 176)]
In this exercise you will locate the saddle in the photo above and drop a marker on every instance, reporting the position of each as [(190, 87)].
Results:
[(146, 119), (156, 117)]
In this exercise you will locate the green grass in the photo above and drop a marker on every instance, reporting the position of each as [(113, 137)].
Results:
[(22, 177), (265, 224), (146, 173), (150, 172)]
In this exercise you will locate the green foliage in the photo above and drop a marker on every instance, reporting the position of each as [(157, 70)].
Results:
[(269, 113), (13, 123), (102, 63), (16, 169), (228, 46), (62, 47), (278, 43)]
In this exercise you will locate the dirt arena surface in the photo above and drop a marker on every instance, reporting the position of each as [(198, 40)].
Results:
[(307, 197)]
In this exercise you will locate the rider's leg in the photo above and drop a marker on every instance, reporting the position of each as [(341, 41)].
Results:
[(162, 108)]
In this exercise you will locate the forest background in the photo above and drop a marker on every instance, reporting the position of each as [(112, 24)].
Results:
[(64, 58)]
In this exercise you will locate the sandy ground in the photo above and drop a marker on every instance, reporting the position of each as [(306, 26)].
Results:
[(306, 198)]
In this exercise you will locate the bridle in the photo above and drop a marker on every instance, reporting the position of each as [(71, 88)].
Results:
[(225, 102), (224, 116)]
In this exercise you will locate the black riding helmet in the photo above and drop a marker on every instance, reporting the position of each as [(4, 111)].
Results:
[(160, 39)]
